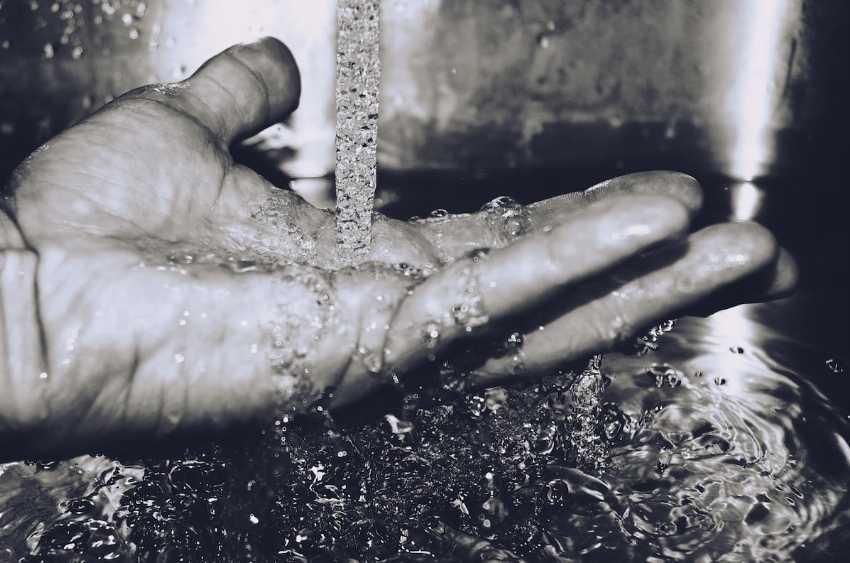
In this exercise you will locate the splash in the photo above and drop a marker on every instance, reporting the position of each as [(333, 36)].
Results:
[(634, 458)]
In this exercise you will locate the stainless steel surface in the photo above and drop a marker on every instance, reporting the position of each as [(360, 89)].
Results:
[(745, 85), (60, 60)]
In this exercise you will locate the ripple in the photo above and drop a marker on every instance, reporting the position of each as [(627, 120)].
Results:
[(648, 457)]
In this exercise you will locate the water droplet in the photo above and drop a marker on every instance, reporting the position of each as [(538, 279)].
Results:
[(476, 405), (514, 341), (501, 202), (495, 399), (544, 443), (397, 425), (507, 219), (835, 365), (179, 358), (431, 334), (479, 255), (48, 50), (371, 359)]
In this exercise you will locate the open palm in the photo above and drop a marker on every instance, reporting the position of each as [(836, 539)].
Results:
[(175, 291)]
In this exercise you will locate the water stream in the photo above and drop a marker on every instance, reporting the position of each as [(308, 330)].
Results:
[(358, 77)]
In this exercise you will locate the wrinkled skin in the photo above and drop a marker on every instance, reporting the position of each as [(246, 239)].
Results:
[(116, 341)]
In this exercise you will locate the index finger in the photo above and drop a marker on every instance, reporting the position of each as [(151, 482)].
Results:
[(683, 188), (496, 225)]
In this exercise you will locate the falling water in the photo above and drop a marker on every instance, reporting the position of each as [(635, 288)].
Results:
[(358, 78)]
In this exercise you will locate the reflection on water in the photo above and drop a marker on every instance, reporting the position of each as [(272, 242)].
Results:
[(712, 444)]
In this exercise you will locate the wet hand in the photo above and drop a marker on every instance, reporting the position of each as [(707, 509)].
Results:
[(152, 287)]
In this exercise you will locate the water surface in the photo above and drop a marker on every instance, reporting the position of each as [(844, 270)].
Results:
[(710, 440)]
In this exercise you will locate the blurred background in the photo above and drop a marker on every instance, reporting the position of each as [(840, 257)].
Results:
[(528, 98)]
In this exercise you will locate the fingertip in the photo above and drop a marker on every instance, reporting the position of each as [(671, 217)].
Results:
[(275, 66), (685, 188), (677, 185), (786, 276), (243, 89)]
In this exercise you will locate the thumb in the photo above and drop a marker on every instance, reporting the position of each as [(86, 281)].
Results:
[(235, 94)]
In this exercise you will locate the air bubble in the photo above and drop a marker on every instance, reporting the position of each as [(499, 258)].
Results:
[(514, 341), (431, 334), (666, 375), (372, 360), (479, 255), (506, 218)]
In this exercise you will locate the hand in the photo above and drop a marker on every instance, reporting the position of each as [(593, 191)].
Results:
[(152, 287)]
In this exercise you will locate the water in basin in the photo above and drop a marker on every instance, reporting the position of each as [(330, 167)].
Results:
[(710, 440)]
